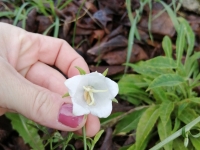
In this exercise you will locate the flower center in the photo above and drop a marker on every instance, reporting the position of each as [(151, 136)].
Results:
[(88, 94)]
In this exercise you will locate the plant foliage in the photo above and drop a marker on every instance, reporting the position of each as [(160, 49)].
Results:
[(164, 84)]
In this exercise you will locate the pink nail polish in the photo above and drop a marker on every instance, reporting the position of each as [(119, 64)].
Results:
[(67, 118)]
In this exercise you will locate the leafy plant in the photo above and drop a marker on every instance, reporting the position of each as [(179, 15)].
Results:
[(164, 84)]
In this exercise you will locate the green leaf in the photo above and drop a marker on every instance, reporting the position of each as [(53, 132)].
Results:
[(176, 125), (165, 111), (81, 71), (130, 88), (133, 79), (191, 61), (167, 46), (160, 95), (195, 100), (65, 95), (131, 99), (171, 14), (195, 142), (188, 115), (166, 80), (105, 72), (180, 43), (178, 144), (182, 106), (145, 125), (129, 122), (161, 62), (133, 147), (125, 147), (190, 36), (27, 132), (147, 71), (115, 100), (96, 138), (164, 130), (111, 118)]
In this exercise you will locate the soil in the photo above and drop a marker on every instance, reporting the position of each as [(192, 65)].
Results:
[(101, 36)]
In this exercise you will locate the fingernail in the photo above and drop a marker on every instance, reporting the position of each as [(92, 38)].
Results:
[(67, 118)]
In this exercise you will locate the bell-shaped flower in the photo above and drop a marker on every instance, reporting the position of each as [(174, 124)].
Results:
[(92, 93)]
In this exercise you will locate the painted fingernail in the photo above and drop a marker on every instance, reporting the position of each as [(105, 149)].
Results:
[(67, 118)]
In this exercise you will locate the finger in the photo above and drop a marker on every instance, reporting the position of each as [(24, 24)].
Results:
[(47, 77), (92, 126), (34, 102), (2, 111)]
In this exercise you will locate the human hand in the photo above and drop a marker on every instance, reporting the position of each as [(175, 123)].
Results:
[(32, 88)]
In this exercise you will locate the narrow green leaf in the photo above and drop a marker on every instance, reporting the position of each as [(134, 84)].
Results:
[(167, 46), (188, 115), (96, 138), (133, 147), (66, 95), (27, 132), (160, 95), (180, 43), (178, 144), (81, 71), (182, 106), (190, 36), (105, 72), (19, 13), (195, 100), (129, 122), (145, 125), (171, 14), (195, 142), (165, 111), (191, 61), (176, 125), (164, 130), (166, 80)]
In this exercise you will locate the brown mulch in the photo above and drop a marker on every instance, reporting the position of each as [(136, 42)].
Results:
[(101, 37)]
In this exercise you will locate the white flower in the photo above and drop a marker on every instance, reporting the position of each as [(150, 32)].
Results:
[(92, 93)]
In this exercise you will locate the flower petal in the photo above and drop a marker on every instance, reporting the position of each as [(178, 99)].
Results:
[(72, 84), (113, 87), (79, 110), (102, 111)]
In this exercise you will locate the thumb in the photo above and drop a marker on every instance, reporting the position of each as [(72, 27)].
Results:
[(34, 102)]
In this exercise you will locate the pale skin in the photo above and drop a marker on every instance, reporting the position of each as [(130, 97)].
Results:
[(29, 86)]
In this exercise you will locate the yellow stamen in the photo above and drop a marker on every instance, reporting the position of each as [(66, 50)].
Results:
[(88, 94)]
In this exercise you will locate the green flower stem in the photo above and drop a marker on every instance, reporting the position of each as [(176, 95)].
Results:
[(84, 138), (176, 134)]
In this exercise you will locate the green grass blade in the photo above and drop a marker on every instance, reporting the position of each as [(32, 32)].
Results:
[(19, 13), (171, 14), (56, 27)]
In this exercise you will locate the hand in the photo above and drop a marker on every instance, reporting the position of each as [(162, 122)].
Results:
[(29, 86)]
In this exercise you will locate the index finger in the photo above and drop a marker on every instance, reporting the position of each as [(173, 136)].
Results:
[(59, 53)]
